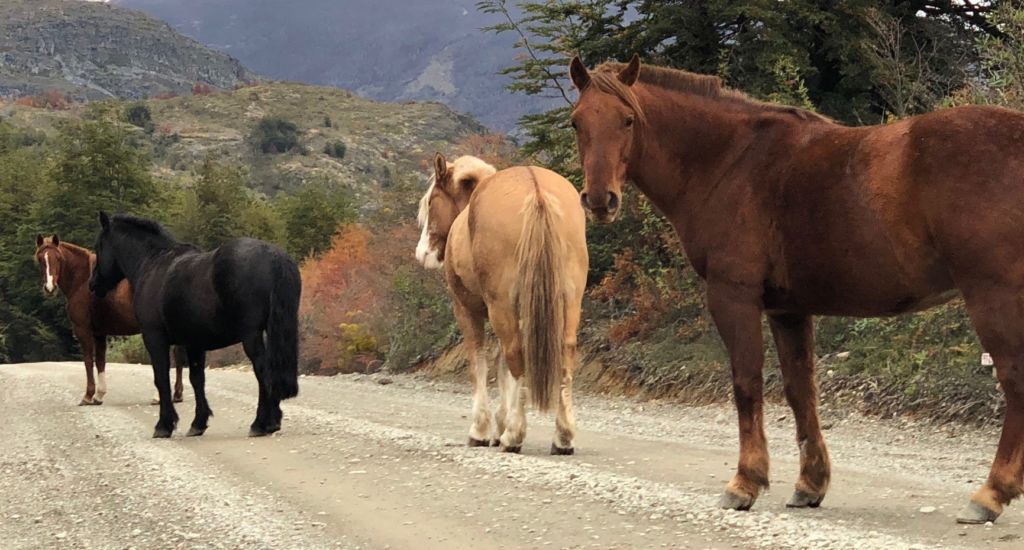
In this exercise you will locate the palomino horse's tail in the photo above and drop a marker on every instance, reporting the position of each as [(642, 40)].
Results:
[(283, 330), (539, 295)]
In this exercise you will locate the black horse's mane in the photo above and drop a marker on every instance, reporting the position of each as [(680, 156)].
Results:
[(146, 226)]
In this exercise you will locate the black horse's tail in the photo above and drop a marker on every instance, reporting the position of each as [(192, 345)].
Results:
[(283, 330)]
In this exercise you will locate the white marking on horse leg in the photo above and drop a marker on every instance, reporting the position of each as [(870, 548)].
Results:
[(101, 385), (49, 286), (481, 428), (505, 385), (565, 421), (515, 430)]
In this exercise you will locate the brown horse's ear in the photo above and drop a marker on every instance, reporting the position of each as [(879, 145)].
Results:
[(579, 73), (440, 167), (631, 73), (104, 220), (39, 240), (55, 240)]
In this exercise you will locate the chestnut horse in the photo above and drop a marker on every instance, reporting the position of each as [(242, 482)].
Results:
[(788, 214), (67, 267), (513, 246)]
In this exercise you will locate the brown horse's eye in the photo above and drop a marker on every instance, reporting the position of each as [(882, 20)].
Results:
[(629, 122)]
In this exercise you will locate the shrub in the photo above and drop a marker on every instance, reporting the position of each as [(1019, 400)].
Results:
[(274, 135), (327, 121), (128, 349), (335, 149), (139, 115)]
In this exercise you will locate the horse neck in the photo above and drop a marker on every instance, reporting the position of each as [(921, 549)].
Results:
[(75, 268), (690, 145), (133, 252)]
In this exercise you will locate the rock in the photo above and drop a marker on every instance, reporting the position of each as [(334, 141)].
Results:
[(927, 509)]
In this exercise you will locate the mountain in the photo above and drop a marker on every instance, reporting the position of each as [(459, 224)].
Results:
[(390, 50), (94, 50)]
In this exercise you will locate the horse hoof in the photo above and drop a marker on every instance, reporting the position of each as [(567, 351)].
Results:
[(154, 402), (195, 432), (161, 433), (733, 501), (801, 499), (177, 399), (256, 432), (495, 443), (976, 514), (515, 449), (473, 442), (96, 402), (85, 403), (561, 451)]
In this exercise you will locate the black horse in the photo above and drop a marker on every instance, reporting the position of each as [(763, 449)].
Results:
[(204, 301)]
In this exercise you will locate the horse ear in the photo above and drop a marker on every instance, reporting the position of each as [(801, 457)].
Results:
[(39, 240), (440, 167), (579, 73), (104, 220), (631, 73), (55, 240)]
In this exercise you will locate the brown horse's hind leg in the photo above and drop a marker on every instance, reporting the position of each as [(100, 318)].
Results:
[(737, 315), (999, 319), (794, 339)]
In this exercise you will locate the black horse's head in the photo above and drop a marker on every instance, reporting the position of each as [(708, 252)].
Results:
[(107, 273)]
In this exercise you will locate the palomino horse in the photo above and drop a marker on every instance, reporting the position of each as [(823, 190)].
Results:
[(788, 214), (204, 301), (67, 266), (514, 251)]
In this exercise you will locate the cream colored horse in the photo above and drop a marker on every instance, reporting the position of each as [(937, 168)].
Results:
[(513, 247)]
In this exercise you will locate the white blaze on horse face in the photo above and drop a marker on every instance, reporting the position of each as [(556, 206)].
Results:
[(49, 285), (424, 252)]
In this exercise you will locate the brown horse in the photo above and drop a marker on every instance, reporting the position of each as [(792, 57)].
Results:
[(514, 251), (787, 214), (67, 266)]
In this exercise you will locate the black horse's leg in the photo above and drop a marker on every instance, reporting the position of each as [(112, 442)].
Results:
[(159, 355), (197, 377), (267, 421)]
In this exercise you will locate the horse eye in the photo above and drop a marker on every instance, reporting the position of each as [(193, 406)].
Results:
[(629, 121), (466, 182), (575, 126)]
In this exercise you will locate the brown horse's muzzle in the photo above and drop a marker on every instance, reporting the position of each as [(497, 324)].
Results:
[(602, 207)]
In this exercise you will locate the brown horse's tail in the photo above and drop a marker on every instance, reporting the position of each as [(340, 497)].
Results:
[(539, 296)]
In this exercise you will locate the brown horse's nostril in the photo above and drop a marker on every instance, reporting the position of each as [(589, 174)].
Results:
[(613, 202), (583, 200)]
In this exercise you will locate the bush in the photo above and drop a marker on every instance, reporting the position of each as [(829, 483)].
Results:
[(335, 149), (138, 115), (327, 122), (127, 349), (274, 135)]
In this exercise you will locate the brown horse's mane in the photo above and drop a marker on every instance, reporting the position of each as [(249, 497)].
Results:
[(605, 76)]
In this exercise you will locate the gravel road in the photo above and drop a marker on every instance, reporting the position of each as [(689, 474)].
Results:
[(379, 462)]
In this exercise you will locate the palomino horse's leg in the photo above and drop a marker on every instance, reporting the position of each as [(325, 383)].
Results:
[(473, 333), (794, 340), (101, 370), (505, 385), (565, 420), (507, 328), (737, 314), (998, 316), (197, 377), (88, 353), (159, 355)]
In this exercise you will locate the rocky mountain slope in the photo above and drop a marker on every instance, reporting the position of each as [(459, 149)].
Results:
[(95, 50), (391, 50)]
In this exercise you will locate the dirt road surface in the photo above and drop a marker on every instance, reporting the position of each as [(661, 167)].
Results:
[(361, 464)]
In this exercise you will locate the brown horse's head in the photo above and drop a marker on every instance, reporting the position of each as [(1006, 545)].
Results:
[(606, 118), (450, 189), (49, 258)]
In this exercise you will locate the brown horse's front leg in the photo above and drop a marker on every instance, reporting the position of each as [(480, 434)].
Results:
[(88, 352), (737, 312), (794, 340)]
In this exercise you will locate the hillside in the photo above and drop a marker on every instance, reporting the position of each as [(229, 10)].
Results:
[(385, 144), (95, 50), (391, 50)]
